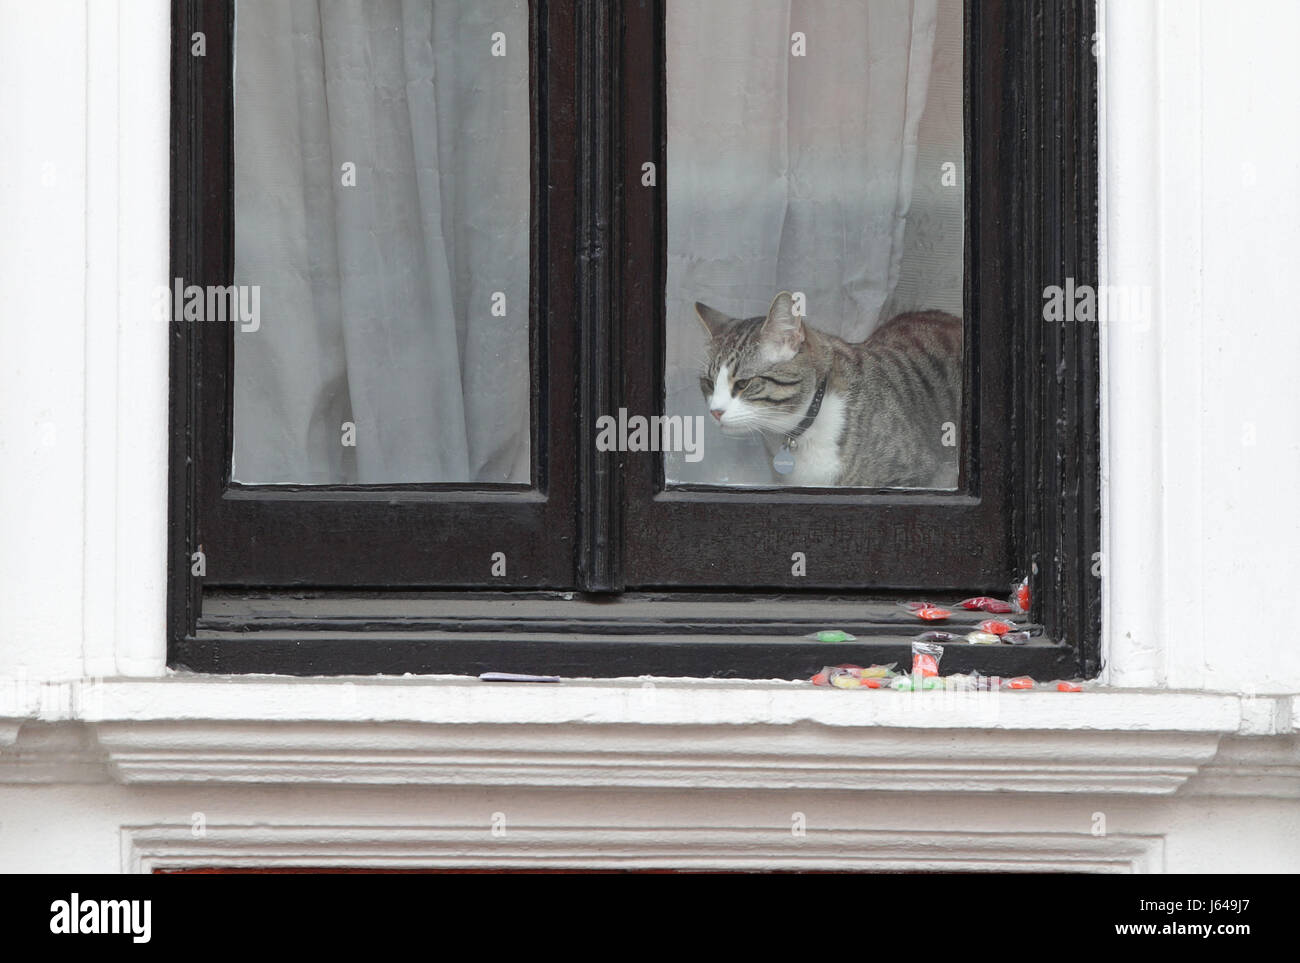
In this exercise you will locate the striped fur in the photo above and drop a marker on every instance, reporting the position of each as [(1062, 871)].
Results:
[(890, 402)]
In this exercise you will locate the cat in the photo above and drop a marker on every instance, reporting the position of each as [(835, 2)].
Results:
[(883, 413)]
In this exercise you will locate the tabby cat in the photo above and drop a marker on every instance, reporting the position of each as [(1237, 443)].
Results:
[(884, 413)]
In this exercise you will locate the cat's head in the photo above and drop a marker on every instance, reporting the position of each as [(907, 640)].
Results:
[(759, 373)]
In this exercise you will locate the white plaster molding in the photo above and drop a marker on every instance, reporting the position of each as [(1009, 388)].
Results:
[(657, 757), (172, 846), (644, 701), (45, 753), (126, 347), (1133, 515), (662, 733), (1253, 767)]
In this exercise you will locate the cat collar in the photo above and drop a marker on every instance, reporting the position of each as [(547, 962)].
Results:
[(811, 414)]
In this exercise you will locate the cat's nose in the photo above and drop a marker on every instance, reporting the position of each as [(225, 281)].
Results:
[(716, 413)]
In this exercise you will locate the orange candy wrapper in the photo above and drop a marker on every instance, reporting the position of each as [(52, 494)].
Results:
[(925, 658), (926, 610)]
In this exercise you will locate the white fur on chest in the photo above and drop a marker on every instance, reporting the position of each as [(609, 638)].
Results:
[(817, 450)]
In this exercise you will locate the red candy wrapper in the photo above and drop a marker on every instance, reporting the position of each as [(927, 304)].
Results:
[(926, 610), (983, 603), (925, 658), (1019, 682), (1020, 595), (1068, 687), (997, 626)]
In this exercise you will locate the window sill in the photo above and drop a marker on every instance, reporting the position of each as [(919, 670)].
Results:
[(646, 733)]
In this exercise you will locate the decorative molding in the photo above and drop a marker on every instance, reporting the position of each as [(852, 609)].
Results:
[(647, 734), (657, 757), (147, 849), (1254, 767), (51, 753)]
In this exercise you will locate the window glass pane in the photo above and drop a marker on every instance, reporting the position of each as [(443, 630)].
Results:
[(815, 147), (382, 241)]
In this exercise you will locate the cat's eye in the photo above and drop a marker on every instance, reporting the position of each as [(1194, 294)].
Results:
[(740, 384)]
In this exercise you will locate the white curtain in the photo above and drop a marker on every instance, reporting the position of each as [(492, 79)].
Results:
[(783, 171), (797, 173), (377, 299)]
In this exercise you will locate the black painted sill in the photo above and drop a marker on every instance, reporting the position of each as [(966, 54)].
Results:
[(693, 635)]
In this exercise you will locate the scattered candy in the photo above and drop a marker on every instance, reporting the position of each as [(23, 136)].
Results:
[(831, 635), (984, 603), (1020, 596), (925, 676), (996, 626), (936, 636), (982, 638), (878, 671), (925, 658), (853, 676), (926, 610)]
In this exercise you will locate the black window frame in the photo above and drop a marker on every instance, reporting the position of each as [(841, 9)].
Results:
[(1030, 90), (685, 535), (288, 535)]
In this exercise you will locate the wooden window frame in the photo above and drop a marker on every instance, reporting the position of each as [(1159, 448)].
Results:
[(927, 541), (366, 535), (1031, 85)]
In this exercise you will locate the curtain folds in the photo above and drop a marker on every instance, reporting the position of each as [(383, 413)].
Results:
[(382, 296), (382, 201), (789, 172)]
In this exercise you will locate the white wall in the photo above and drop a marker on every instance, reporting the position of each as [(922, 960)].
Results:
[(1200, 203)]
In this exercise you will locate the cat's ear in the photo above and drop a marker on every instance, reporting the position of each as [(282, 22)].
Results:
[(715, 322), (783, 332)]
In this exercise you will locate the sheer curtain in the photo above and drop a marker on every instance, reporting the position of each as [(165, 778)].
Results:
[(794, 172), (377, 299)]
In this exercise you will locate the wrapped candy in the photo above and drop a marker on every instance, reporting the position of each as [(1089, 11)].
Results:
[(937, 636), (997, 626), (831, 635), (907, 683), (854, 676), (984, 603), (972, 682), (1020, 596), (1019, 682), (926, 610), (925, 658), (982, 638), (1016, 638)]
